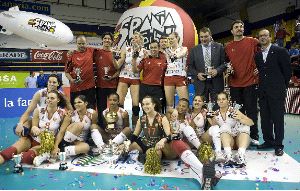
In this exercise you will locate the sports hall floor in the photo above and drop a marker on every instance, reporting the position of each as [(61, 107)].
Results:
[(277, 174)]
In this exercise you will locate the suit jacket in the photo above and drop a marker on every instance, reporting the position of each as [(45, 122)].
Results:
[(275, 73), (197, 65)]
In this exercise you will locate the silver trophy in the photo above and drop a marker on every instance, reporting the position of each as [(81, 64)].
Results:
[(229, 68), (106, 70), (116, 53), (18, 167), (63, 164), (235, 107), (210, 111), (208, 70), (176, 134), (78, 75)]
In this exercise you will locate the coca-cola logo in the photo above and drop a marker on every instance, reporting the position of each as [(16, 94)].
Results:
[(48, 56)]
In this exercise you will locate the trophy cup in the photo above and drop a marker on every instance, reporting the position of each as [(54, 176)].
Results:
[(63, 163), (236, 107), (78, 77), (175, 125), (208, 70), (18, 167), (111, 119), (116, 53), (210, 111), (106, 69)]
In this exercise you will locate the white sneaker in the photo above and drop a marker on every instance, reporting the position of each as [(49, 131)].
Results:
[(38, 160), (98, 150), (228, 158), (240, 159), (254, 142), (220, 157)]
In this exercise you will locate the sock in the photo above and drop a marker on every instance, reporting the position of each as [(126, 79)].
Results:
[(242, 151), (70, 151), (190, 134), (120, 138), (70, 137), (97, 138), (214, 132), (189, 158)]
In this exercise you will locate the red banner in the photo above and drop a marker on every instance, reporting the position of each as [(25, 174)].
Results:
[(56, 56)]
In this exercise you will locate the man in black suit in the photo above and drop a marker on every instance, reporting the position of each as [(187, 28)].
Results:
[(274, 67), (207, 64)]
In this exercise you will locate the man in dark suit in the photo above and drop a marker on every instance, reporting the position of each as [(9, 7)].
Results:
[(273, 64), (207, 64)]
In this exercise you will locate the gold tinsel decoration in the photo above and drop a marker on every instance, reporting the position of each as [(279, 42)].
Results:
[(47, 142), (206, 153), (153, 163)]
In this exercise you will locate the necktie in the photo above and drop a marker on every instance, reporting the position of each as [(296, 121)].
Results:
[(207, 59)]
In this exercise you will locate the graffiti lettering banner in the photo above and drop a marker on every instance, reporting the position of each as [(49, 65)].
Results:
[(152, 21)]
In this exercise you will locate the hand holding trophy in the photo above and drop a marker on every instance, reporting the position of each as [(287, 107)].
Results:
[(78, 75), (235, 108), (106, 70)]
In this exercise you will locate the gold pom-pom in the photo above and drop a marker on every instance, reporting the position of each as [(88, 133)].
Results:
[(47, 142), (153, 163), (206, 153)]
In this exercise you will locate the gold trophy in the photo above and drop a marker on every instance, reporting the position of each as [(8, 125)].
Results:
[(78, 77), (18, 167), (111, 119)]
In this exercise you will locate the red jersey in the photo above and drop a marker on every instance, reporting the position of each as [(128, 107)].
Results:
[(83, 61), (103, 58), (241, 55), (153, 70)]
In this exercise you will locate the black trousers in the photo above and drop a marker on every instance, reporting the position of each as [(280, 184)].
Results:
[(247, 96), (272, 119), (102, 95), (89, 94)]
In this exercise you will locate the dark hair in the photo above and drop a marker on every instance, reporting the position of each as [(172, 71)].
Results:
[(201, 96), (114, 94), (205, 29), (185, 100), (176, 35), (224, 93), (62, 101), (235, 22), (109, 34), (80, 36), (58, 79), (163, 37), (82, 97), (154, 101)]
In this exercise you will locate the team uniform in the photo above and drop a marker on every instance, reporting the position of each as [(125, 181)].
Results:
[(176, 71), (126, 74), (83, 62), (230, 125), (103, 58), (151, 134), (153, 75)]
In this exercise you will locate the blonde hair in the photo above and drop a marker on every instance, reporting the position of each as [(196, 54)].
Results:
[(141, 37)]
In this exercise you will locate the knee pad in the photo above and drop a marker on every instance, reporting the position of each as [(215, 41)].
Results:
[(28, 157), (179, 147), (136, 110), (214, 131), (8, 153)]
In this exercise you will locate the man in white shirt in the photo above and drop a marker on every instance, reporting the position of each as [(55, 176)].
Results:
[(30, 81)]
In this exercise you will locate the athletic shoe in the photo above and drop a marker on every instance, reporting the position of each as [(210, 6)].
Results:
[(38, 160), (220, 157)]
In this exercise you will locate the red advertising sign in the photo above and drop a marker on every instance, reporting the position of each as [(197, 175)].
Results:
[(57, 56)]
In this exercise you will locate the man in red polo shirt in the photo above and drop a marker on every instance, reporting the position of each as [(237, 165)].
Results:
[(153, 68), (79, 71), (107, 74), (243, 81)]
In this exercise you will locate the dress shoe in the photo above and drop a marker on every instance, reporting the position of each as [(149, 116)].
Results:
[(264, 146), (279, 152)]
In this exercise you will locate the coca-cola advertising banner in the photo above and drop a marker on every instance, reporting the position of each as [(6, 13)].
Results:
[(55, 56)]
